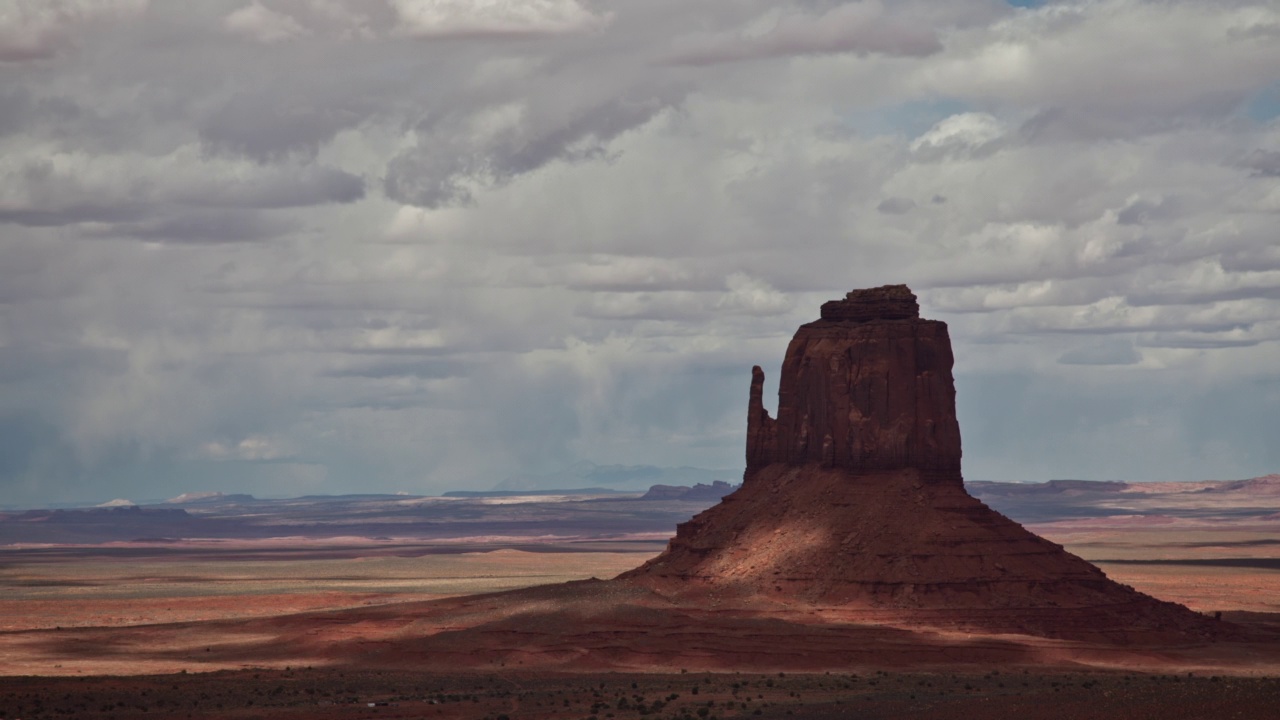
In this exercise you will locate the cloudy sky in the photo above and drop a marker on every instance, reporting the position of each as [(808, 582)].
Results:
[(304, 246)]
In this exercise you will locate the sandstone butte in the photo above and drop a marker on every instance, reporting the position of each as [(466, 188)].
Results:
[(851, 543), (853, 501)]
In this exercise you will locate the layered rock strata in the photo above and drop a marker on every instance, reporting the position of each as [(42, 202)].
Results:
[(853, 499)]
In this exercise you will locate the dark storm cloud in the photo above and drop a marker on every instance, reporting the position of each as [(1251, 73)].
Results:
[(1202, 296), (271, 124), (445, 165), (71, 215), (156, 198), (307, 186), (859, 28), (1264, 163), (895, 205), (205, 226)]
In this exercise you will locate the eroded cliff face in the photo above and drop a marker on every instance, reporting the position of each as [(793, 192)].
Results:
[(867, 387)]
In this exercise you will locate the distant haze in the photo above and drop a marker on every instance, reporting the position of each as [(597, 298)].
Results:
[(286, 247)]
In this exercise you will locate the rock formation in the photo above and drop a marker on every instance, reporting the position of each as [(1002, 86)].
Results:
[(853, 499), (867, 387), (698, 493)]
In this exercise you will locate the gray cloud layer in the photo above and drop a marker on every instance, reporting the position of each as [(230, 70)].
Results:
[(286, 246)]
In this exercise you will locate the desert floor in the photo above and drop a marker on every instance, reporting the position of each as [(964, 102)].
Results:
[(133, 591), (329, 693), (126, 585)]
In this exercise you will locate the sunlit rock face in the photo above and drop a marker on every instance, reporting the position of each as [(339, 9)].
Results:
[(853, 502), (866, 387)]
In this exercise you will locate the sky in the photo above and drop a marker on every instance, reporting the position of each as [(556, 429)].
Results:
[(322, 246)]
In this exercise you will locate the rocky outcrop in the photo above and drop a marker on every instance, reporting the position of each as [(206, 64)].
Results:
[(867, 387), (853, 500)]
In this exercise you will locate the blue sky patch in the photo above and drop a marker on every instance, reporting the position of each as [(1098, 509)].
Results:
[(911, 118), (1265, 106)]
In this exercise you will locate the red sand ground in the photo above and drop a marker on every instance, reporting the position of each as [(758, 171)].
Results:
[(516, 647), (590, 626)]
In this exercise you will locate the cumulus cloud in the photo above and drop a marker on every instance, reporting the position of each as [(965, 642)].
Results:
[(441, 243), (752, 296), (258, 22), (1106, 59), (164, 198), (963, 133), (255, 448), (855, 27), (481, 18), (1265, 163), (39, 29), (458, 156)]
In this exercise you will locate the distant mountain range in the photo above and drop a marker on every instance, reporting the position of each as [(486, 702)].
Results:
[(594, 513), (1063, 499)]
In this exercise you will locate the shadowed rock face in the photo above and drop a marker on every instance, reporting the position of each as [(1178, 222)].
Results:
[(867, 387), (853, 498)]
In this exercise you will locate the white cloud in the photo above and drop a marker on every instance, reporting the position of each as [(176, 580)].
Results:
[(38, 29), (966, 132), (480, 18), (1127, 56), (258, 22), (41, 186), (752, 296), (252, 448)]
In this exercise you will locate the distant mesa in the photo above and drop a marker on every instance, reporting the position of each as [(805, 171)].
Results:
[(553, 492), (699, 492), (208, 497), (1265, 485), (853, 498)]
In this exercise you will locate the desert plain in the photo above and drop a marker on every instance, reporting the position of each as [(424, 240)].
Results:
[(316, 608)]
